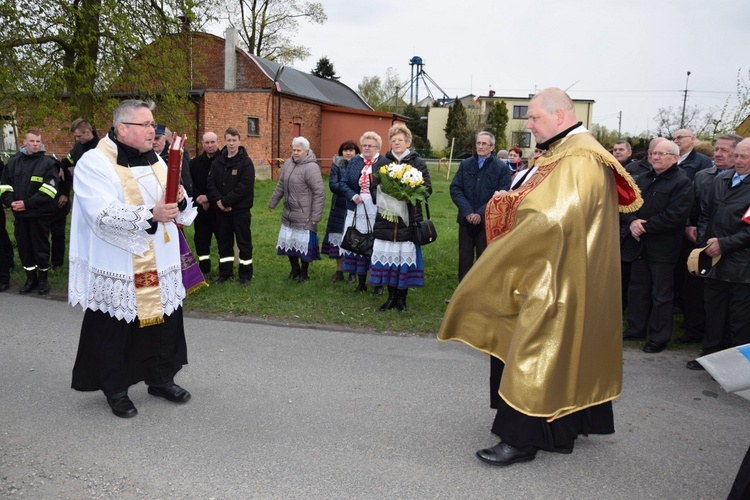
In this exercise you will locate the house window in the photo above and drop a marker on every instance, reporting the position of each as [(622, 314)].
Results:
[(521, 139), (253, 127), (519, 112)]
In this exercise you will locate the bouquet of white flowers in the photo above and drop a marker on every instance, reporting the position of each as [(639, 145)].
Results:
[(399, 183)]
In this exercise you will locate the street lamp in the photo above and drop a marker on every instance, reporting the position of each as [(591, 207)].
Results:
[(684, 101)]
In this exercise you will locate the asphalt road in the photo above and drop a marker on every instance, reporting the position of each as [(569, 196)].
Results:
[(284, 412)]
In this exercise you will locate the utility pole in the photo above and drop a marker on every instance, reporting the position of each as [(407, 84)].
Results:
[(619, 125), (684, 101)]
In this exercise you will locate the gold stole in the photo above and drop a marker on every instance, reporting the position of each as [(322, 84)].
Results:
[(146, 276)]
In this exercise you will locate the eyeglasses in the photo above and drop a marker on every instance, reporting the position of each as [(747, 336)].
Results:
[(369, 145), (484, 144), (661, 154), (680, 137), (144, 125)]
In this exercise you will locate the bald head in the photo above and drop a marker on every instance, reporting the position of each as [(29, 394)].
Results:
[(210, 143), (550, 112), (685, 139)]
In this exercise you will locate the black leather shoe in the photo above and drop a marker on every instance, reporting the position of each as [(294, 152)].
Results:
[(173, 393), (694, 365), (652, 347), (4, 286), (377, 291), (503, 454), (339, 276), (220, 280), (122, 407), (352, 278), (244, 281)]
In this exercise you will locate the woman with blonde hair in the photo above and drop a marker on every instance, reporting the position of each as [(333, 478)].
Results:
[(396, 261), (357, 188)]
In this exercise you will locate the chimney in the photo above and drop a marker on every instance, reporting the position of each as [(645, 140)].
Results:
[(230, 59)]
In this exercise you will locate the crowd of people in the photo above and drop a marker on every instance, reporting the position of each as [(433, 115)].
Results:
[(565, 226)]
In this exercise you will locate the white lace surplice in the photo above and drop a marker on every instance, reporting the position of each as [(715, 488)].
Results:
[(105, 233)]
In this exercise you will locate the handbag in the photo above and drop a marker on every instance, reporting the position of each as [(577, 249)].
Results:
[(356, 241), (423, 233)]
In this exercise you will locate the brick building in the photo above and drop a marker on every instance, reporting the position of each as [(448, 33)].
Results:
[(268, 103)]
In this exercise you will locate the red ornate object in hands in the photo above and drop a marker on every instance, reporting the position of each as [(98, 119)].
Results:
[(746, 217), (174, 167)]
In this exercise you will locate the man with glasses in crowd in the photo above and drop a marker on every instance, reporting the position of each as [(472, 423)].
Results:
[(690, 160), (476, 180), (125, 265), (659, 226)]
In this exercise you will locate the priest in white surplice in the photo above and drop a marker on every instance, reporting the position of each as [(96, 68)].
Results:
[(125, 265)]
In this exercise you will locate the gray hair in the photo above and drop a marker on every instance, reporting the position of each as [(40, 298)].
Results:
[(675, 149), (730, 137), (301, 142), (503, 153), (488, 134), (125, 110)]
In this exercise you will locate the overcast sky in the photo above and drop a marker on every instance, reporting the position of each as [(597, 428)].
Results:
[(630, 56)]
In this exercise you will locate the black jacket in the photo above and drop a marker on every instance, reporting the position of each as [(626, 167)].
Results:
[(399, 231), (702, 183), (77, 151), (722, 219), (232, 180), (185, 177), (33, 179), (473, 187), (200, 166), (667, 200), (694, 163), (337, 214)]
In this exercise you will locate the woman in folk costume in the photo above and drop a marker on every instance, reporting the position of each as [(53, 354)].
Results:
[(337, 215), (396, 261), (301, 186), (356, 187), (125, 266)]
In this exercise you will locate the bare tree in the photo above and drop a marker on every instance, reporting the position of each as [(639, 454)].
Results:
[(267, 27)]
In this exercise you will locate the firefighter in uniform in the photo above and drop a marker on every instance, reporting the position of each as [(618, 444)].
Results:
[(205, 223), (231, 186), (29, 188)]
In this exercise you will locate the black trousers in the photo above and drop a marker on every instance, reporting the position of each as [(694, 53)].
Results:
[(650, 299), (231, 226), (32, 238), (57, 232), (693, 306), (6, 247), (727, 314), (741, 487), (114, 354), (472, 241), (536, 433), (205, 229)]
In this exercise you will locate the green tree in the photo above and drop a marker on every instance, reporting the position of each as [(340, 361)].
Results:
[(382, 94), (324, 69), (498, 123), (79, 49), (456, 127), (267, 27)]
